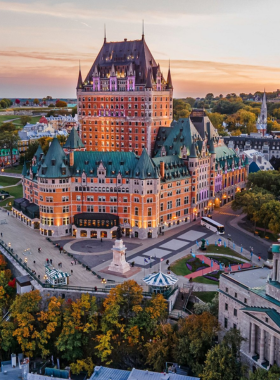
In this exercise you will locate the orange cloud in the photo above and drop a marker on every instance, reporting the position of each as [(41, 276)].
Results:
[(30, 74)]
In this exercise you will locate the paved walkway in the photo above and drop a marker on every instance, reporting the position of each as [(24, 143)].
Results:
[(213, 266)]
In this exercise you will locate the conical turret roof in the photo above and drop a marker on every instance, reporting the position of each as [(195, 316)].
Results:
[(73, 141), (169, 80), (80, 80), (145, 167), (53, 162)]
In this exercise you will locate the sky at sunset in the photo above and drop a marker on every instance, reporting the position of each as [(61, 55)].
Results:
[(217, 46)]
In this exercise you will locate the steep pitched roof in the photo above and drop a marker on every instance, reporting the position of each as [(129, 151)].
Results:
[(73, 141), (54, 161), (173, 139), (149, 83), (169, 80), (122, 54), (145, 167), (80, 80), (38, 153)]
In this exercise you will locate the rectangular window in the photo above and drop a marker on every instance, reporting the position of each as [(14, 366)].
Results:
[(149, 211), (235, 312), (226, 306), (225, 323)]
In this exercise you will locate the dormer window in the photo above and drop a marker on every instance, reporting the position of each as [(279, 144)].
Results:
[(63, 171), (53, 161)]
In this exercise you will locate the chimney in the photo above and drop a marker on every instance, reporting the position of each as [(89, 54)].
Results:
[(71, 158), (161, 169)]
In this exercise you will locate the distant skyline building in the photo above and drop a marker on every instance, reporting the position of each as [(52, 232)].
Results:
[(124, 99), (262, 118)]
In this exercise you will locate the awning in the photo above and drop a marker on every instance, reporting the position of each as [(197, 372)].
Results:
[(160, 279), (55, 273)]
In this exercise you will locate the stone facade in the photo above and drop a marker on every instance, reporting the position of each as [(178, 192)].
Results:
[(250, 301)]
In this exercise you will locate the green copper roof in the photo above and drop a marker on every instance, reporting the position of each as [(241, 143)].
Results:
[(276, 248), (271, 313), (52, 163), (193, 149), (73, 141), (145, 167), (173, 139), (174, 168), (38, 153)]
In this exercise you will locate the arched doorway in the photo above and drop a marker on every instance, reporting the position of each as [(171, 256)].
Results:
[(93, 234)]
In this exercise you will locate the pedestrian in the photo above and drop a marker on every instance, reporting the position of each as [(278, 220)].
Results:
[(95, 288), (8, 214), (34, 262), (71, 271), (47, 260), (167, 262), (75, 262), (72, 263), (60, 249), (51, 261), (101, 240), (259, 258), (1, 234)]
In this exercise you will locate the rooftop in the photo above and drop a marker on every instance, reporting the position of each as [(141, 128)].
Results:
[(253, 278)]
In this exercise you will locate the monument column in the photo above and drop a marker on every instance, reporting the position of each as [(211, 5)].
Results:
[(119, 263), (261, 359), (271, 350), (253, 339)]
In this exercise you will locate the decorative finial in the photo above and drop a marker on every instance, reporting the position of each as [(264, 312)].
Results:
[(104, 33), (143, 30)]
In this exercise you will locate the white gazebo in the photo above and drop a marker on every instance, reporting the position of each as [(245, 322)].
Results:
[(160, 282)]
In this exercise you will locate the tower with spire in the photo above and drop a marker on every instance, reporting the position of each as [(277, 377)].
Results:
[(126, 90), (262, 118)]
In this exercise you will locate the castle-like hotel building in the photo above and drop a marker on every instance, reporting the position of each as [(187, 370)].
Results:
[(130, 165)]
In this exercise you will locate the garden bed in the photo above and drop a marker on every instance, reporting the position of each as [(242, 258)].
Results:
[(187, 265)]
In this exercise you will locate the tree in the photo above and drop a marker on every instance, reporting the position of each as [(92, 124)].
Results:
[(82, 365), (223, 361), (36, 101), (194, 338), (191, 101), (24, 120), (17, 101), (60, 103), (209, 96), (181, 109), (74, 111), (210, 307), (267, 180), (79, 324), (31, 150), (23, 312), (9, 138), (262, 374), (160, 348)]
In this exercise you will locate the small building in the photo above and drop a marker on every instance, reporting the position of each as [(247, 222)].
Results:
[(104, 373), (257, 160), (56, 276), (23, 284)]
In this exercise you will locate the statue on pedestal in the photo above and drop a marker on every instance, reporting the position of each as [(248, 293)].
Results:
[(119, 263)]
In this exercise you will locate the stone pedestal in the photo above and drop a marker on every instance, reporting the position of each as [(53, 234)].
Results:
[(119, 264)]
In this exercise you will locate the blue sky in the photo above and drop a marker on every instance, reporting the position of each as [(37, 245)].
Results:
[(218, 46)]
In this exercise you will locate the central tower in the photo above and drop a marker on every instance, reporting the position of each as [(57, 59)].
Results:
[(124, 99)]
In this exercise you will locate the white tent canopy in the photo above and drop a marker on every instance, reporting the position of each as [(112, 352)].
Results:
[(160, 279)]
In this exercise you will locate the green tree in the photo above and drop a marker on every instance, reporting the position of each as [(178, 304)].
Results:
[(194, 338), (24, 120), (31, 150), (60, 103), (181, 109), (159, 349), (9, 138), (262, 374), (79, 325)]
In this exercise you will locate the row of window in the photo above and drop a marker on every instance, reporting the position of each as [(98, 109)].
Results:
[(130, 99)]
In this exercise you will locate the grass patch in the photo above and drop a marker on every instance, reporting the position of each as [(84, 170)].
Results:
[(15, 191), (8, 117), (180, 268), (224, 260), (204, 280), (205, 296), (5, 202), (14, 169), (8, 181), (212, 248)]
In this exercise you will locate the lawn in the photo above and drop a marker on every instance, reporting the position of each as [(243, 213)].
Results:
[(14, 169), (8, 117), (15, 191), (8, 181), (203, 280), (180, 268), (212, 248), (205, 296), (224, 260)]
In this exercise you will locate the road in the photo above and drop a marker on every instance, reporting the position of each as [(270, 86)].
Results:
[(225, 216)]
